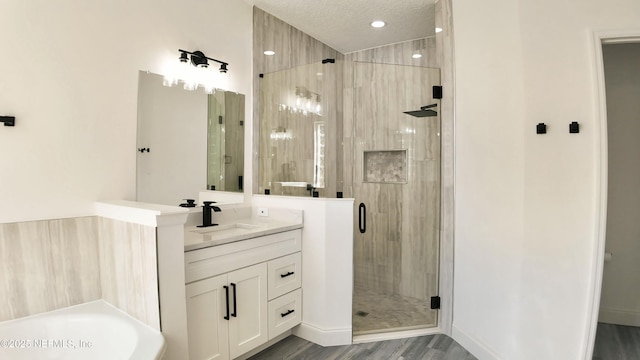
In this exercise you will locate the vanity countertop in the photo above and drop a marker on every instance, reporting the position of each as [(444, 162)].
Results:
[(241, 228)]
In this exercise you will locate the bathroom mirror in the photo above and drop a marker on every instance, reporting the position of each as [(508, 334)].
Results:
[(187, 141)]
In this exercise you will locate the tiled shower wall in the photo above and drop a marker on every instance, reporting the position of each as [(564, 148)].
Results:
[(396, 54), (293, 49), (51, 264)]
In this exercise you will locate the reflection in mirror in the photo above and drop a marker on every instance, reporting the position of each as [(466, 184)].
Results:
[(188, 141), (225, 142)]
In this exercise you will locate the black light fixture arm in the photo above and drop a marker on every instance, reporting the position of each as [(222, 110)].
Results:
[(202, 55)]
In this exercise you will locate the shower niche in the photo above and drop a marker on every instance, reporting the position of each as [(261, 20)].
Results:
[(385, 166)]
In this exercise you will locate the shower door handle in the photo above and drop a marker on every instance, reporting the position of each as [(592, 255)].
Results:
[(362, 218)]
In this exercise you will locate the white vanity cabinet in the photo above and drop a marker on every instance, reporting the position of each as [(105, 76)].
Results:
[(242, 294), (227, 314)]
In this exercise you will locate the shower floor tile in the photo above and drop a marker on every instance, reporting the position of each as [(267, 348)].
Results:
[(378, 312)]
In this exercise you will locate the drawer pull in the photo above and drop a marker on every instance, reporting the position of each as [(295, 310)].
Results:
[(287, 274), (286, 313)]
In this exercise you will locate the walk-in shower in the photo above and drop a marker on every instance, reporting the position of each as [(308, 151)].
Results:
[(347, 127), (395, 162)]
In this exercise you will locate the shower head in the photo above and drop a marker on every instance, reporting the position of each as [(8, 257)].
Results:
[(425, 111)]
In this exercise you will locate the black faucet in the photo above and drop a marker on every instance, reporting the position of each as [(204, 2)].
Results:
[(206, 213), (189, 203)]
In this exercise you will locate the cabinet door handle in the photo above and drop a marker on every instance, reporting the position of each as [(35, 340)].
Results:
[(286, 313), (287, 274), (362, 218), (235, 305), (226, 290)]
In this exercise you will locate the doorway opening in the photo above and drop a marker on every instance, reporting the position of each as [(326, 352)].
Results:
[(613, 249), (619, 310)]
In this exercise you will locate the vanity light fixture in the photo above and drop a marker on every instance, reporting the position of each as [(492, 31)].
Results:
[(378, 24), (199, 59)]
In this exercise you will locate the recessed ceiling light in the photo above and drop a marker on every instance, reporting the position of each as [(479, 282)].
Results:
[(416, 56), (269, 52), (438, 30), (378, 24)]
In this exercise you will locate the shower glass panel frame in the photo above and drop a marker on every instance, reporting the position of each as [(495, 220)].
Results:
[(396, 259), (300, 131)]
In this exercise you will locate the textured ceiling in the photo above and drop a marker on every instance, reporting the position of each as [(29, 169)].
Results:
[(344, 24)]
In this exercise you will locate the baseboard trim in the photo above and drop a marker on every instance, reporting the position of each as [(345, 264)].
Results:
[(393, 335), (619, 317), (473, 345), (323, 337)]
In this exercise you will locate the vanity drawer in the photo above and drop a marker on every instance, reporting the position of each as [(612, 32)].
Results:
[(284, 275), (203, 263), (285, 312)]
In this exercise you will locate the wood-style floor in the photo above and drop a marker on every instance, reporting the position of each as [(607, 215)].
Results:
[(613, 342), (617, 342), (432, 347)]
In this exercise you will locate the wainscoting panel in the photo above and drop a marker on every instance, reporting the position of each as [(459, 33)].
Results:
[(46, 265), (128, 264)]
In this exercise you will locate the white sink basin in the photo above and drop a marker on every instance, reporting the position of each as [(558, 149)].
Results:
[(235, 228)]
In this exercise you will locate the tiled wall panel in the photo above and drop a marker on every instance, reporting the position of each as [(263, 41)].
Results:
[(47, 265), (128, 265)]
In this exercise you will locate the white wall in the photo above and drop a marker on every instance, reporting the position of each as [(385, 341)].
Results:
[(526, 204), (71, 80), (620, 301), (327, 266), (489, 174)]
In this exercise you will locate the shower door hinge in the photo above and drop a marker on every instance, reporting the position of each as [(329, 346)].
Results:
[(435, 302), (437, 92)]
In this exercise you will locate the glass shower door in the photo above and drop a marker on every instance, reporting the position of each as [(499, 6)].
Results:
[(300, 151), (396, 186)]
